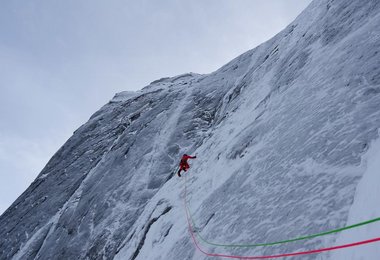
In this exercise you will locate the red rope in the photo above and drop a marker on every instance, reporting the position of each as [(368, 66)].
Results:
[(377, 239)]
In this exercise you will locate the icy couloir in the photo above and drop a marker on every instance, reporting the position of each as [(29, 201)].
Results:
[(279, 133)]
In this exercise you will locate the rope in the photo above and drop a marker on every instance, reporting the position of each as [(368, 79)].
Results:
[(282, 241), (188, 216), (285, 241)]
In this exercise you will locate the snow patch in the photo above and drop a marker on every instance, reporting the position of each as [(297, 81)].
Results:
[(124, 96)]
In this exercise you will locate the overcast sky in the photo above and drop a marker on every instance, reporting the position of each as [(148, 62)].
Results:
[(61, 60)]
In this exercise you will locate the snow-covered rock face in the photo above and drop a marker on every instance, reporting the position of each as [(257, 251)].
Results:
[(279, 133)]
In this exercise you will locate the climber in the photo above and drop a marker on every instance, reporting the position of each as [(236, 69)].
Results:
[(183, 165)]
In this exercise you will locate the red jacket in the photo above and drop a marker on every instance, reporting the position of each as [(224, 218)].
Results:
[(185, 157)]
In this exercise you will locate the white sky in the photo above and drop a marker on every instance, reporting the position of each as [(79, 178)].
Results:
[(62, 60)]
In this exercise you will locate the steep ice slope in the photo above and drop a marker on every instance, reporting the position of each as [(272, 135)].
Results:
[(91, 192), (279, 133), (365, 206), (285, 159)]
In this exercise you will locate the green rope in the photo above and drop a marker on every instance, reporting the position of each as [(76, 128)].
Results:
[(283, 241)]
